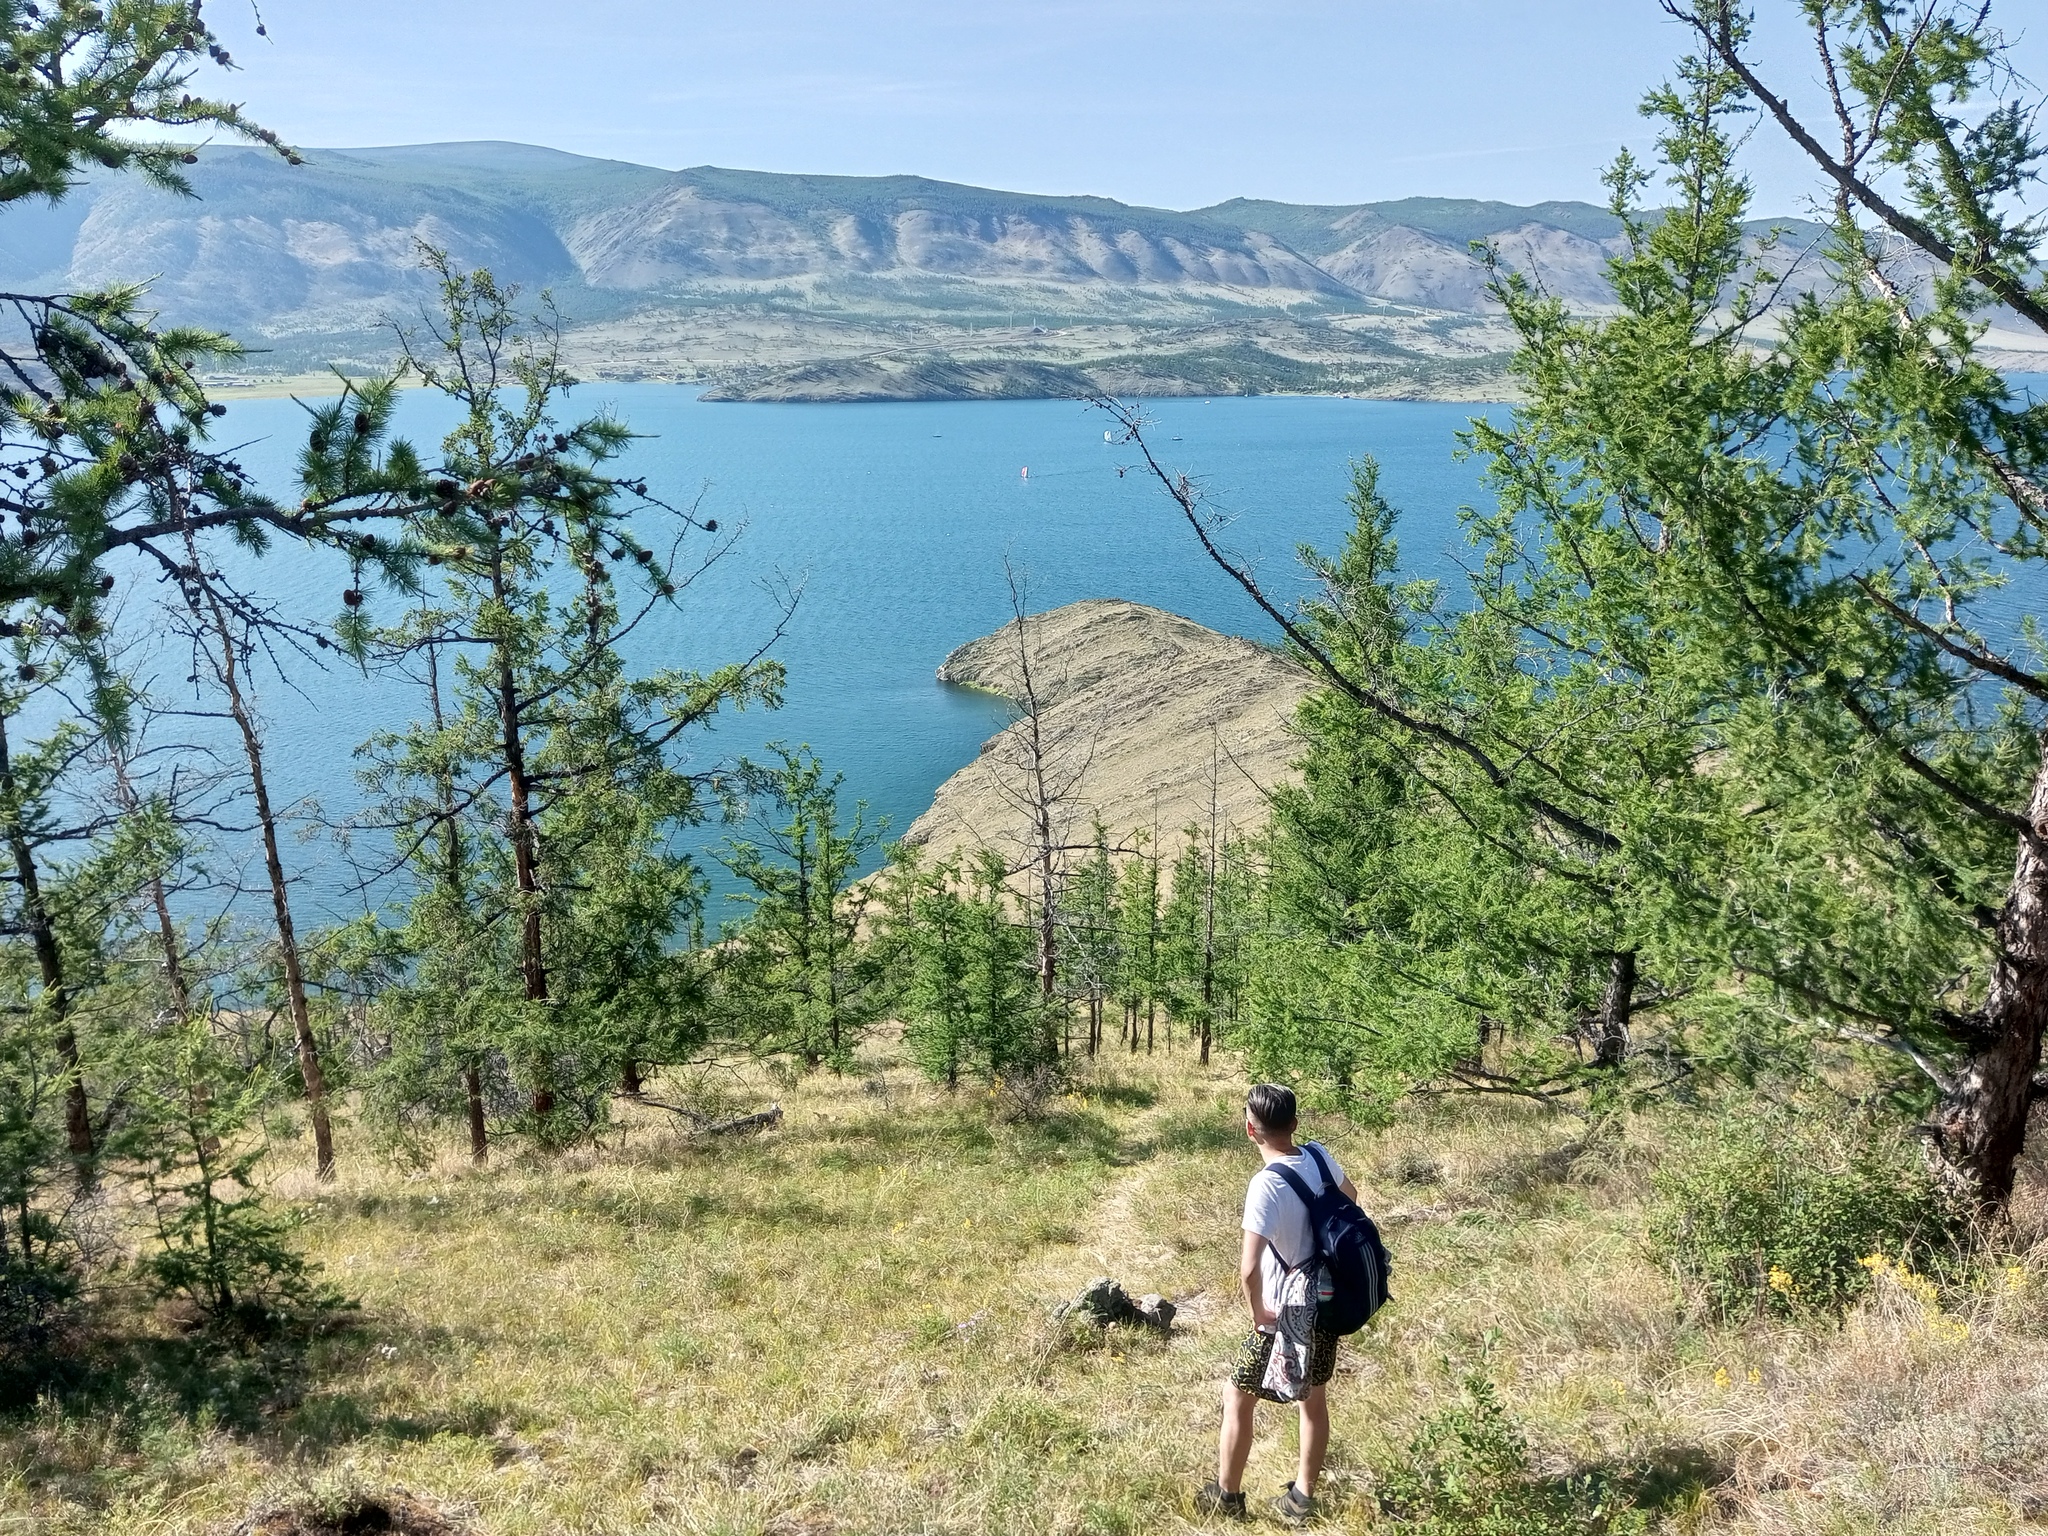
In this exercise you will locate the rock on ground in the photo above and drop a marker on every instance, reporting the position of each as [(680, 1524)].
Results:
[(1105, 1303)]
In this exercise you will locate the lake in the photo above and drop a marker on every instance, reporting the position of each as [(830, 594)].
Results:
[(897, 520)]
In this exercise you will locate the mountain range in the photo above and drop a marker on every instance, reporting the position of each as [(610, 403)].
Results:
[(786, 286)]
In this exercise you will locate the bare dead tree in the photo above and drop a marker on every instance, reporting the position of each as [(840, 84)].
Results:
[(226, 645), (1037, 767)]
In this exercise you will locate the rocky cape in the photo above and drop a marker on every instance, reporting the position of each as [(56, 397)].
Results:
[(1150, 723)]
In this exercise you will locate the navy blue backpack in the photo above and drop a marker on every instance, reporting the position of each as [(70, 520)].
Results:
[(1355, 1267)]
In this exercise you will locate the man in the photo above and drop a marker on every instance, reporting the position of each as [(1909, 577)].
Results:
[(1276, 1238)]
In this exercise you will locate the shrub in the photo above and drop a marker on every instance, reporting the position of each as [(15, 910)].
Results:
[(1468, 1473), (1773, 1211), (219, 1243)]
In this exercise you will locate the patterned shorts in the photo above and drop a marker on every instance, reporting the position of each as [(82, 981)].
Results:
[(1257, 1349)]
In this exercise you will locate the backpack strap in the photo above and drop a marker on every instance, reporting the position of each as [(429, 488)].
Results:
[(1322, 1165), (1293, 1181)]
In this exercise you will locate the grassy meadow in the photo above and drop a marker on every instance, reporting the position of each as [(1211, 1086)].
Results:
[(842, 1324)]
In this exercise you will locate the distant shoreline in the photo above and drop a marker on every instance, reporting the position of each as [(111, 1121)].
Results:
[(315, 386)]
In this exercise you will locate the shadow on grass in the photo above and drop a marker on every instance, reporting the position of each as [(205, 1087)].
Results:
[(118, 1396), (332, 1420), (1663, 1480), (1669, 1477), (969, 1134), (1204, 1133), (115, 1370), (1119, 1094), (107, 1406), (1069, 1131)]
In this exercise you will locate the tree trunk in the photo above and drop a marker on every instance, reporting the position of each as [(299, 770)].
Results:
[(174, 952), (455, 879), (1980, 1125), (473, 1095), (56, 996), (310, 1070), (1209, 922), (525, 856), (1617, 1006)]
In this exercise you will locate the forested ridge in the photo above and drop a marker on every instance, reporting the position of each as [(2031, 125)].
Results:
[(1657, 923)]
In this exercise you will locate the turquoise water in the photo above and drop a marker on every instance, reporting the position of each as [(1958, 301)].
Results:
[(896, 520)]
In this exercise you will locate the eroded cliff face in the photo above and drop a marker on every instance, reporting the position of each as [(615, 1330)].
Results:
[(1146, 720)]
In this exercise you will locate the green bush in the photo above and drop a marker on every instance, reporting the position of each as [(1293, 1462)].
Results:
[(1772, 1210), (1467, 1473), (219, 1243)]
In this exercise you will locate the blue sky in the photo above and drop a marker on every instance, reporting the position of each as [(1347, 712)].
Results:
[(1174, 103)]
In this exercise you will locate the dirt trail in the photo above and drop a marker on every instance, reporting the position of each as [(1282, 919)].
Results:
[(1119, 1237)]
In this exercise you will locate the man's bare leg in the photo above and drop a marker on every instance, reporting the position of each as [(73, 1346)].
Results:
[(1234, 1448), (1315, 1440)]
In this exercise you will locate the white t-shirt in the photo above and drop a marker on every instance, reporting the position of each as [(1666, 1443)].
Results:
[(1274, 1211)]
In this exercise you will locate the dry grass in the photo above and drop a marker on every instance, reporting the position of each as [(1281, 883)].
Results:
[(842, 1326)]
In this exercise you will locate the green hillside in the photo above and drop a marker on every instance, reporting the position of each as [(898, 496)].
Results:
[(843, 1325)]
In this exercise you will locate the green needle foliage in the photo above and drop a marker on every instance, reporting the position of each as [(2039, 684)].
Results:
[(798, 978), (105, 459), (1731, 747), (74, 76), (1091, 948), (535, 807), (220, 1244), (1799, 524), (972, 1004), (1205, 927), (1456, 897), (1141, 966)]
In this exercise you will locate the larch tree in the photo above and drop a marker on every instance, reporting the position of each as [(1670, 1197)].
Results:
[(798, 975), (1831, 516), (1090, 922), (549, 784), (1735, 723)]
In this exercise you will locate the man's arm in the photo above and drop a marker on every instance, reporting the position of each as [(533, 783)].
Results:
[(1248, 1281), (1350, 1189)]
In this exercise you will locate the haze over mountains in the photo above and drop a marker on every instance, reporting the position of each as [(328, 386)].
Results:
[(791, 286)]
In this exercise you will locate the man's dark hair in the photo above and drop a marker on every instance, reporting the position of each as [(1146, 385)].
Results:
[(1272, 1106)]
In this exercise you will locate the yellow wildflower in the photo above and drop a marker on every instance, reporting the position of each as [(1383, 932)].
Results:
[(1722, 1380), (1781, 1281)]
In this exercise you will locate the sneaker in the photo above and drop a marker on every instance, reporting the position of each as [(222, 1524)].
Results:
[(1212, 1500), (1294, 1506)]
